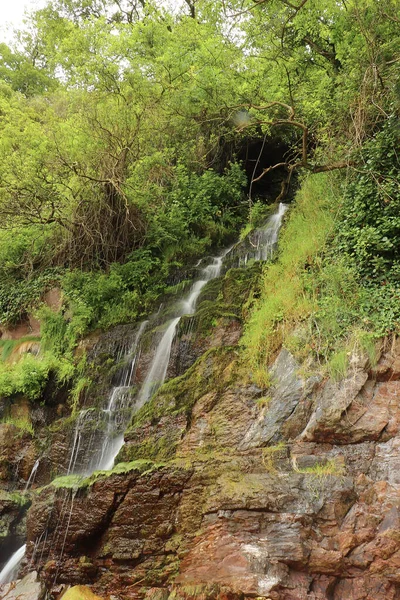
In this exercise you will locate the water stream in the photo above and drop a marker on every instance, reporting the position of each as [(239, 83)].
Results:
[(187, 306), (31, 477), (99, 450), (11, 568), (108, 423), (261, 243)]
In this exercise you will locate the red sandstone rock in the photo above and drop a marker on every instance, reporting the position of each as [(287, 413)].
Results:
[(247, 506)]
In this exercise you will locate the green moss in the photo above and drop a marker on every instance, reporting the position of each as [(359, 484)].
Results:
[(238, 283), (17, 498), (162, 448), (222, 299), (165, 573), (180, 394), (142, 466), (76, 482), (270, 454), (239, 485), (211, 290), (23, 425), (213, 372), (69, 482)]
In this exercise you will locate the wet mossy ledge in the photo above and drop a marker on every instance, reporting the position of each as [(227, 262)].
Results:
[(222, 300), (82, 482)]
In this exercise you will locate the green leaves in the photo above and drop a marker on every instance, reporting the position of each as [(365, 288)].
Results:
[(370, 230)]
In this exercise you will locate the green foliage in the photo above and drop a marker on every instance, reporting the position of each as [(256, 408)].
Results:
[(322, 469), (284, 301), (28, 377), (8, 347), (23, 425), (271, 453), (123, 168), (332, 291), (80, 385), (20, 71), (318, 477), (258, 214), (338, 364), (199, 205), (20, 297), (30, 374), (370, 226)]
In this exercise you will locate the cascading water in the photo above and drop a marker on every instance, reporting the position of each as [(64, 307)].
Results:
[(121, 403), (158, 368), (32, 475), (261, 243), (159, 365), (11, 568), (266, 238), (108, 422), (118, 412)]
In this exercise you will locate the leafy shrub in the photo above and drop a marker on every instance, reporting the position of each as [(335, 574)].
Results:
[(369, 225), (20, 297)]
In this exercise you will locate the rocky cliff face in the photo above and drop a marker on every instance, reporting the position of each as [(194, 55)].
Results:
[(225, 491)]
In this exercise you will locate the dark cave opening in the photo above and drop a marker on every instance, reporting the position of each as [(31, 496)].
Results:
[(257, 154)]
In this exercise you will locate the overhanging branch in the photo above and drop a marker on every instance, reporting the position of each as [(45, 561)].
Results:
[(290, 166)]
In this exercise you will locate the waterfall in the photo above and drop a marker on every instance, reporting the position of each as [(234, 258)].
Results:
[(108, 423), (115, 416), (78, 436), (11, 568), (159, 365), (32, 475), (158, 369), (266, 238), (261, 243)]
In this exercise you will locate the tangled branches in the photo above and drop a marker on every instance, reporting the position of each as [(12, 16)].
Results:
[(302, 160)]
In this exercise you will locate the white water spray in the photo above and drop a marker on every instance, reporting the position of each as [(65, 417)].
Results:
[(32, 475), (105, 423), (158, 369), (11, 568)]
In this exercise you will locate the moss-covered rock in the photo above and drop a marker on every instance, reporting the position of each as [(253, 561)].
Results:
[(158, 427)]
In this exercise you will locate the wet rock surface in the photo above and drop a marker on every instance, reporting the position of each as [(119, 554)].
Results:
[(13, 508), (28, 588), (234, 496)]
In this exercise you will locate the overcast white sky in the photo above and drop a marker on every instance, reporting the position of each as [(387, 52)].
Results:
[(12, 14)]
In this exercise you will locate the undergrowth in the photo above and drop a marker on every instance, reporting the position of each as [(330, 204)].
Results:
[(24, 425), (9, 347), (284, 301), (30, 375), (333, 289)]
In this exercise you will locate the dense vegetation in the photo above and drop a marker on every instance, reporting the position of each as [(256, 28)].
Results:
[(124, 125)]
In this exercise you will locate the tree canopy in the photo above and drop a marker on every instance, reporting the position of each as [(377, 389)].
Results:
[(124, 122)]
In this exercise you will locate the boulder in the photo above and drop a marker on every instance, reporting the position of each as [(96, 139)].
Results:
[(80, 592), (28, 588)]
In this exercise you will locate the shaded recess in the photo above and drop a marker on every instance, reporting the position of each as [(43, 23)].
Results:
[(257, 154)]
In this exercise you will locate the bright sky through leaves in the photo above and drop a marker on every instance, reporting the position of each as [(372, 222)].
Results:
[(12, 14)]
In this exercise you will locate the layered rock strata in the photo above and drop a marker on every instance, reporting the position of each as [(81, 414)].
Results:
[(229, 492)]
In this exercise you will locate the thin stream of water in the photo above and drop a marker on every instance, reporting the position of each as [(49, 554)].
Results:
[(32, 476)]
